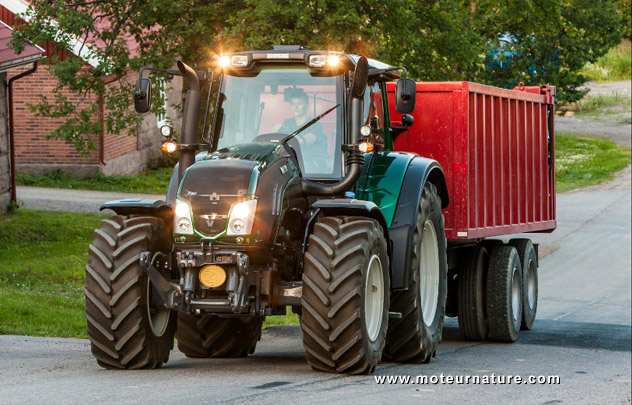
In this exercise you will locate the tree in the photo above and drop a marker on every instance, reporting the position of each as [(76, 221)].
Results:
[(549, 42), (544, 41)]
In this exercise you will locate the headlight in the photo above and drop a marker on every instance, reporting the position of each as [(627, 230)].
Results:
[(242, 215), (182, 219)]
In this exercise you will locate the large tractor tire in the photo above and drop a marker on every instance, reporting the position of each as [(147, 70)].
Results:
[(128, 325), (504, 294), (472, 281), (529, 263), (415, 336), (205, 336), (346, 290)]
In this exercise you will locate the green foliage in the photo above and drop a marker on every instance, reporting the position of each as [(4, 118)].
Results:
[(434, 40), (625, 8), (148, 182), (553, 40), (582, 160), (614, 66)]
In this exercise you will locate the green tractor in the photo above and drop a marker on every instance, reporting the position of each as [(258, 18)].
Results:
[(296, 200)]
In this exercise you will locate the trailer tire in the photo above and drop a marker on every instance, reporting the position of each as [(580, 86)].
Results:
[(504, 294), (346, 291), (472, 281), (411, 338), (128, 326), (529, 262), (209, 336)]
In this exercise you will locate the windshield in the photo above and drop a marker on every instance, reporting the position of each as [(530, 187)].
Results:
[(268, 105)]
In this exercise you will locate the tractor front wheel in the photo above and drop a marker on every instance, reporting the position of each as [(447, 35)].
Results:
[(128, 325), (346, 289)]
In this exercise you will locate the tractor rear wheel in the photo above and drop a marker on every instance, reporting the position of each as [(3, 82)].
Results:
[(415, 336), (472, 281), (207, 336), (529, 262), (128, 325), (504, 294), (346, 289)]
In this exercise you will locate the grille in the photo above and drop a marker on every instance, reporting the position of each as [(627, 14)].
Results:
[(212, 187)]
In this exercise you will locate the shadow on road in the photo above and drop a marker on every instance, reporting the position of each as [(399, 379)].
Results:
[(579, 335)]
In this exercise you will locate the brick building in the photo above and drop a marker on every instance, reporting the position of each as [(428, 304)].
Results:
[(115, 154), (8, 62)]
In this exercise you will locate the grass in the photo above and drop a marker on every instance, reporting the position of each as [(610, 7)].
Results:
[(42, 261), (148, 182), (604, 106), (582, 160), (612, 67)]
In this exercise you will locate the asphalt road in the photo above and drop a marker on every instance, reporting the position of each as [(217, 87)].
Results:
[(582, 335)]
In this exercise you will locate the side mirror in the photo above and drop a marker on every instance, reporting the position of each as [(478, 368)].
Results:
[(142, 96), (405, 93)]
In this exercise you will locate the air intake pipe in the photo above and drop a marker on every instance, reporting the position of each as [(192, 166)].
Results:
[(190, 120), (355, 159)]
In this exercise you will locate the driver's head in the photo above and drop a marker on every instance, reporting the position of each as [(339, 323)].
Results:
[(298, 103)]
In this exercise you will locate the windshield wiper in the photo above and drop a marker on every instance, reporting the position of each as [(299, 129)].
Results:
[(307, 125)]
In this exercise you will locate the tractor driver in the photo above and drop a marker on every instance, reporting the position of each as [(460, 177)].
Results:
[(299, 102)]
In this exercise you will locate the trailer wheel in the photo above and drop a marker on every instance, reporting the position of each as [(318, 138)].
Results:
[(346, 291), (529, 262), (472, 281), (128, 325), (415, 336), (504, 294), (209, 336)]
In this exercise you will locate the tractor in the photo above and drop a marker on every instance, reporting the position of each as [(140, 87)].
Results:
[(295, 201)]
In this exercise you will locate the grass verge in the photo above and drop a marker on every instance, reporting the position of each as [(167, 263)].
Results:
[(148, 182), (613, 66), (42, 261), (583, 160), (614, 107)]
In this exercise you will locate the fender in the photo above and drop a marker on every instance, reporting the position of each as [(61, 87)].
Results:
[(137, 206), (420, 171), (349, 206)]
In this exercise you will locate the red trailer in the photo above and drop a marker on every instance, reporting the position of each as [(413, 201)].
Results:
[(496, 147), (497, 152)]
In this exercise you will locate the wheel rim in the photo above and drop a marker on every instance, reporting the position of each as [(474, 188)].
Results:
[(158, 314), (531, 285), (515, 294), (374, 298), (429, 273)]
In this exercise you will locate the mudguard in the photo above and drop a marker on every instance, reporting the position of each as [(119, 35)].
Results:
[(137, 206), (353, 207), (420, 171)]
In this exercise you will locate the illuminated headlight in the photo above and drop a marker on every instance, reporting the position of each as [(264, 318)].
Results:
[(239, 60), (166, 131), (182, 218), (242, 215), (224, 61), (317, 60), (333, 60)]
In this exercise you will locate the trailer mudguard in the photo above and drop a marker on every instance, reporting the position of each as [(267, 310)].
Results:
[(137, 206), (420, 171)]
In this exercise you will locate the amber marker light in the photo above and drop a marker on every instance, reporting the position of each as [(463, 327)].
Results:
[(169, 147), (366, 147)]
